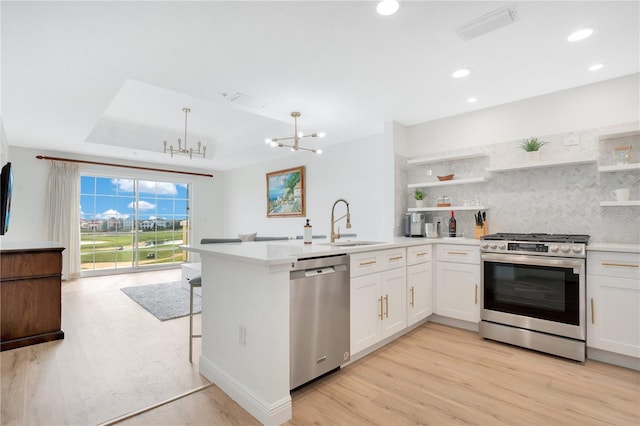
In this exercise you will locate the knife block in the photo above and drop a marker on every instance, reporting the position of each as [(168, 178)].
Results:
[(481, 231)]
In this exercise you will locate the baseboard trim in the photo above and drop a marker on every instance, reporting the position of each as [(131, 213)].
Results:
[(276, 413), (613, 358)]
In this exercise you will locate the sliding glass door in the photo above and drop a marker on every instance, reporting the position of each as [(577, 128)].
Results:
[(130, 224)]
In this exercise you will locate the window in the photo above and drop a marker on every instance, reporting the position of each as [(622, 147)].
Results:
[(130, 223)]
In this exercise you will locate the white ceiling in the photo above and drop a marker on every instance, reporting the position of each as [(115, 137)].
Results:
[(111, 78)]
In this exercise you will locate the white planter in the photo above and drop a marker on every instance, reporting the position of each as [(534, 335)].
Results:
[(420, 203), (532, 156)]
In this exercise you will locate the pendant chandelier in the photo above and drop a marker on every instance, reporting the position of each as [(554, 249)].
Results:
[(296, 138), (185, 150)]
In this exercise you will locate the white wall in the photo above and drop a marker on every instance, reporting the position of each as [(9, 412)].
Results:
[(601, 104), (360, 171), (30, 184)]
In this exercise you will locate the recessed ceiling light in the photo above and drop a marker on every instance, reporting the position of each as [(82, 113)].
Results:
[(595, 67), (472, 100), (580, 34), (388, 7), (462, 72)]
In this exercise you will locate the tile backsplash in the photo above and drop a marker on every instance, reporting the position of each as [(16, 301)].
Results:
[(559, 199)]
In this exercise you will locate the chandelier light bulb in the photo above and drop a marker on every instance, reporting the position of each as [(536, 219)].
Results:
[(268, 141), (321, 135), (388, 7)]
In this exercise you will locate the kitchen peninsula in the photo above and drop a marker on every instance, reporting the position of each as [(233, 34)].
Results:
[(245, 317)]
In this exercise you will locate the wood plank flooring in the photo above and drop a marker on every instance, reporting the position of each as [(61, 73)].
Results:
[(116, 358)]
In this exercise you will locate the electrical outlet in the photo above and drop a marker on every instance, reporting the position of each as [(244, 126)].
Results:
[(243, 335), (437, 219)]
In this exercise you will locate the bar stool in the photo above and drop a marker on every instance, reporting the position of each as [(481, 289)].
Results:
[(193, 283)]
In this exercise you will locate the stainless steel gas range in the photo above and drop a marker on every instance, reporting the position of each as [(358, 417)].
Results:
[(533, 292)]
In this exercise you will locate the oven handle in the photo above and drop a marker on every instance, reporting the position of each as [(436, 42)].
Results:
[(533, 260)]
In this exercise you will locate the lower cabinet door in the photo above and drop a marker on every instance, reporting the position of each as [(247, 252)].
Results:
[(394, 301), (613, 320), (458, 290), (419, 300), (366, 311)]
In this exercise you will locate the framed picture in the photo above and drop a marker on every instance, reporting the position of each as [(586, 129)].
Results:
[(285, 193)]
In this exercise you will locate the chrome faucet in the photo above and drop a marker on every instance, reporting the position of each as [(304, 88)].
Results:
[(335, 236)]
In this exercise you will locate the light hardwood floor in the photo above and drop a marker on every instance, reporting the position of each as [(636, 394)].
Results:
[(117, 358)]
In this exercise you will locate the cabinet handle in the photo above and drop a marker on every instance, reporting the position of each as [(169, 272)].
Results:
[(623, 265), (395, 258), (412, 293), (462, 253), (424, 253), (593, 314), (386, 300), (476, 294), (371, 262), (381, 315)]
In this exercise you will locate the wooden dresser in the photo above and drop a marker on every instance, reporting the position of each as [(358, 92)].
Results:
[(31, 294)]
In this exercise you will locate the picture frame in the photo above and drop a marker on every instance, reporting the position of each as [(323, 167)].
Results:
[(286, 193)]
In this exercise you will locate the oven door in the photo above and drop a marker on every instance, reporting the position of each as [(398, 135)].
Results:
[(537, 293)]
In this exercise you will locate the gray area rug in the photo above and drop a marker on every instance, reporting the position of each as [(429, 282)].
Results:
[(165, 301)]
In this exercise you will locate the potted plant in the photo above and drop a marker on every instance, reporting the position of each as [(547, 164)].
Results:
[(419, 196), (531, 146)]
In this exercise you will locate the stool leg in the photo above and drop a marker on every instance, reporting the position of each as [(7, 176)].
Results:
[(190, 322)]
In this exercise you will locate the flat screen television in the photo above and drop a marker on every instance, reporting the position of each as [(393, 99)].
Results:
[(6, 185)]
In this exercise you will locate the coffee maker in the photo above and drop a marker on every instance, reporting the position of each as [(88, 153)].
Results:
[(414, 225)]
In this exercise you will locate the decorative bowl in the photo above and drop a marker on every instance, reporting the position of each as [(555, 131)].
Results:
[(447, 177)]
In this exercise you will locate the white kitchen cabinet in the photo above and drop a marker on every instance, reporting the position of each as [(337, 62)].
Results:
[(189, 272), (378, 300), (457, 292), (419, 283), (613, 295)]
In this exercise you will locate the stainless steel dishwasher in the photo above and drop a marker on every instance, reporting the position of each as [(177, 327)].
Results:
[(319, 321)]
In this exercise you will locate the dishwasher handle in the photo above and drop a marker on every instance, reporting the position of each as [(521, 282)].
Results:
[(319, 271)]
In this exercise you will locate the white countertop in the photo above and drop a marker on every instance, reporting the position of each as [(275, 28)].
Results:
[(284, 251), (619, 247)]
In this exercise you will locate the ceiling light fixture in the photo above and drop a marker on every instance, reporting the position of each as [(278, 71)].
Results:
[(462, 72), (185, 151), (580, 34), (388, 7), (296, 137), (595, 67)]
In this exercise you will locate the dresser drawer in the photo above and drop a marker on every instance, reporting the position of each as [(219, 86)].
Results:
[(458, 253), (418, 254), (614, 264)]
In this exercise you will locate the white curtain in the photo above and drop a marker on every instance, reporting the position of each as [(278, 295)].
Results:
[(63, 213)]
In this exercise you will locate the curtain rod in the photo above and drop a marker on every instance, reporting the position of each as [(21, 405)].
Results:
[(70, 160)]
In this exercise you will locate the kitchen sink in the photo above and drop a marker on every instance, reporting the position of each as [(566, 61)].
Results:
[(353, 243)]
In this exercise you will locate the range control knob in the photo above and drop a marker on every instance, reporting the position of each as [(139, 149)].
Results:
[(553, 248), (502, 246), (565, 249), (492, 245), (576, 249)]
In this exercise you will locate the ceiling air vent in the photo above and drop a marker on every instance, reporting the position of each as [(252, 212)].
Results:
[(240, 99), (486, 23)]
